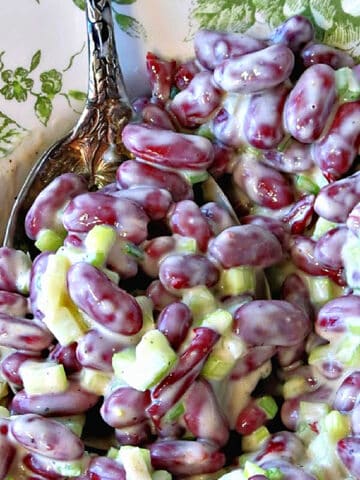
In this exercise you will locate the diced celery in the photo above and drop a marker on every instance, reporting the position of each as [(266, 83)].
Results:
[(136, 462), (268, 405), (4, 412), (294, 387), (3, 389), (200, 301), (321, 289), (348, 351), (321, 227), (132, 250), (274, 473), (113, 453), (251, 469), (98, 242), (75, 423), (185, 244), (161, 475), (252, 442), (353, 325), (223, 357), (94, 381), (216, 368), (347, 85), (43, 377), (49, 240), (237, 280), (53, 292), (195, 176), (320, 353), (220, 320), (306, 184), (205, 131), (146, 306), (175, 412), (337, 425), (70, 469), (321, 452)]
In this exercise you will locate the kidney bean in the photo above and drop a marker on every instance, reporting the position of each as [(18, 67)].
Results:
[(37, 270), (309, 103), (295, 32), (336, 151), (259, 247), (296, 157), (7, 456), (160, 73), (185, 218), (217, 217), (66, 355), (125, 407), (159, 295), (155, 250), (42, 466), (273, 225), (46, 437), (295, 291), (255, 71), (23, 334), (120, 261), (327, 250), (223, 156), (186, 457), (315, 53), (353, 220), (11, 364), (264, 185), (15, 268), (250, 418), (212, 48), (281, 446), (106, 303), (252, 360), (348, 450), (271, 322), (227, 124), (133, 173), (193, 105), (185, 72), (44, 212), (168, 149), (90, 209), (73, 401), (174, 322), (105, 468), (187, 369), (348, 394), (300, 215), (95, 350), (263, 118), (134, 435), (332, 317), (13, 304), (156, 116), (179, 271), (288, 470)]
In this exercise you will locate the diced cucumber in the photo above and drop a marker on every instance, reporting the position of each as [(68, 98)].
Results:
[(274, 473), (95, 381), (185, 244), (311, 412), (251, 469), (98, 243), (220, 320), (49, 240), (322, 226), (348, 351), (321, 289), (233, 475), (66, 325), (205, 131), (237, 281), (75, 423), (73, 468), (223, 357), (53, 292), (133, 250), (195, 176), (4, 412), (337, 425), (146, 306), (200, 301), (306, 184), (136, 462), (294, 387), (268, 405), (252, 442), (43, 377)]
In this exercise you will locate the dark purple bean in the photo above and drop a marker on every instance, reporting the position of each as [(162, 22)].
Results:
[(348, 450), (11, 364), (217, 217), (203, 415), (66, 355), (44, 212), (125, 407), (295, 291), (259, 247), (186, 457), (271, 322), (7, 456), (174, 322), (156, 116), (328, 248), (42, 466), (315, 53), (159, 296), (106, 303), (193, 105), (264, 185), (309, 103), (105, 468), (73, 401), (13, 304), (353, 220), (333, 316), (23, 334), (168, 149), (288, 471), (296, 157), (133, 173), (46, 437), (95, 350), (300, 215), (263, 126), (336, 200), (348, 394), (252, 360), (155, 250), (255, 71), (273, 225), (120, 261), (134, 435), (212, 48), (90, 209), (295, 32), (15, 268)]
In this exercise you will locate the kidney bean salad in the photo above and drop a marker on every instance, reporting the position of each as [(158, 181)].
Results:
[(154, 335)]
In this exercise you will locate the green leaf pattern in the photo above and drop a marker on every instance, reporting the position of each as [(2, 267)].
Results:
[(10, 134)]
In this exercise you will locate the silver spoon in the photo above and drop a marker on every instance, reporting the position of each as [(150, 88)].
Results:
[(93, 148)]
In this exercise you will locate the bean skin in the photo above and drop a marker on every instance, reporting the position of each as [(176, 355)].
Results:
[(11, 364), (95, 350), (294, 290), (14, 265), (273, 225), (332, 317), (328, 248), (13, 304), (174, 322), (37, 270), (66, 355), (125, 407), (105, 468), (160, 73), (295, 32), (185, 72), (300, 215), (255, 71), (353, 220), (46, 437), (284, 445), (254, 358), (155, 250), (288, 470), (296, 157), (168, 149), (315, 53), (271, 322), (156, 116), (348, 394), (7, 456), (135, 435), (217, 217), (42, 466), (260, 248), (106, 303), (23, 334), (159, 296), (348, 450)]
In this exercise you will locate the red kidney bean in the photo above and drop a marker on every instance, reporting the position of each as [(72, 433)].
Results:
[(185, 72), (281, 445), (203, 415), (186, 457), (42, 466), (133, 173), (7, 456), (95, 350), (73, 401), (348, 394), (226, 125), (14, 269), (252, 360), (327, 250), (159, 296), (258, 477), (353, 220), (13, 304), (125, 407), (44, 212), (250, 418), (90, 209), (336, 200), (193, 105), (11, 364), (37, 270), (160, 73), (259, 247), (155, 250), (295, 291), (300, 215), (288, 471), (296, 157), (309, 103), (271, 322), (264, 185), (337, 150), (217, 217), (23, 334), (187, 369), (348, 450), (134, 435), (66, 355), (155, 201), (332, 317), (73, 239), (174, 322), (223, 156), (156, 116), (212, 48), (263, 117), (46, 437), (120, 261), (168, 149), (255, 71), (179, 271), (105, 468), (295, 32), (106, 303), (139, 103), (273, 225), (315, 53), (185, 218)]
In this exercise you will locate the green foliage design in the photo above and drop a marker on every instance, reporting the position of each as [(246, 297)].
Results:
[(10, 133)]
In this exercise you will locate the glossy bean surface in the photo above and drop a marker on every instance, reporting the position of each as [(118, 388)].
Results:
[(328, 248), (333, 316), (319, 53), (23, 334), (95, 350), (295, 32), (13, 304), (174, 322), (125, 407)]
